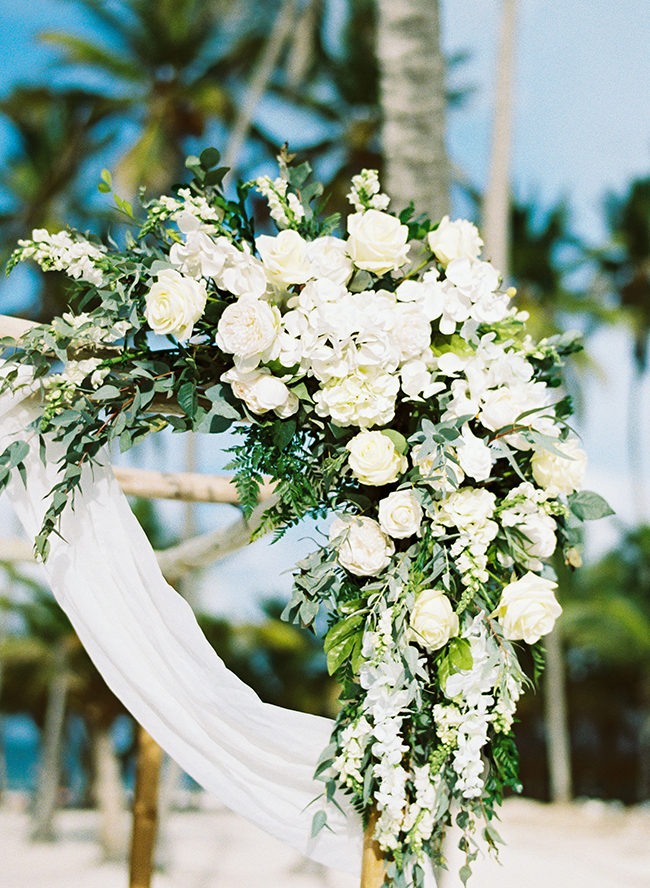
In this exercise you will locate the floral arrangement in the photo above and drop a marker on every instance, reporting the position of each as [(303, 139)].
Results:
[(382, 375)]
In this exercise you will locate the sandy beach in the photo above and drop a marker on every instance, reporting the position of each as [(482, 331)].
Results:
[(584, 845)]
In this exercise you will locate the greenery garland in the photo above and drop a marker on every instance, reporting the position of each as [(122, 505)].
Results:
[(383, 376)]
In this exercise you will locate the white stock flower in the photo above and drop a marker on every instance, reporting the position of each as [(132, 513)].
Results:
[(433, 620), (200, 255), (561, 474), (377, 242), (261, 391), (76, 371), (374, 459), (174, 304), (284, 256), (528, 608), (248, 329), (454, 240), (363, 549), (536, 538), (400, 514)]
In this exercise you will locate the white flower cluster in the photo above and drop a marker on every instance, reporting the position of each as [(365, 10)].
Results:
[(285, 209), (87, 331), (470, 510), (482, 695), (63, 252), (366, 193), (191, 212)]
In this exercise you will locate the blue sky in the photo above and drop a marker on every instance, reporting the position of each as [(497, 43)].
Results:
[(582, 128)]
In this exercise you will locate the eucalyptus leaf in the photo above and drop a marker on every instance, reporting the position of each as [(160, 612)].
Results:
[(589, 506)]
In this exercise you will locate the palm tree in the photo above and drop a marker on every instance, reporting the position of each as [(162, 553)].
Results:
[(607, 616), (42, 178), (48, 673), (171, 69), (624, 265)]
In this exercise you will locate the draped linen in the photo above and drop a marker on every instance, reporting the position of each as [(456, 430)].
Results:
[(258, 759)]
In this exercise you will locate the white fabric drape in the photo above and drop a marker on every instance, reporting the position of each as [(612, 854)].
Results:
[(257, 759)]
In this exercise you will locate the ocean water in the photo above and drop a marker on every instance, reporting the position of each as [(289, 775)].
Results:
[(19, 739)]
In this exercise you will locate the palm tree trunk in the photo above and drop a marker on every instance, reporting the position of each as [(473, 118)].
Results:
[(50, 770), (280, 33), (109, 795), (412, 71), (558, 744), (145, 811), (496, 212)]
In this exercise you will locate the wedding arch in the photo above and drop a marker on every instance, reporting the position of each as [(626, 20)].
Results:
[(382, 376)]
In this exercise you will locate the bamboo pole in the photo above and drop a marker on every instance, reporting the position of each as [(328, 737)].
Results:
[(373, 860), (145, 811)]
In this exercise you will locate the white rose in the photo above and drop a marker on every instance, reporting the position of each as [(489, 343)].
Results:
[(400, 514), (528, 608), (248, 328), (454, 240), (378, 242), (374, 459), (285, 257), (560, 474), (362, 548), (261, 391), (433, 621), (467, 508), (174, 304), (329, 259)]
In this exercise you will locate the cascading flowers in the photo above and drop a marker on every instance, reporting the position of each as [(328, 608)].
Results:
[(383, 375)]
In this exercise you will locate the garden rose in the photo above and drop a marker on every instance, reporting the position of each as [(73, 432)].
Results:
[(454, 240), (378, 242), (363, 549), (285, 257), (261, 391), (528, 608), (374, 459), (248, 328), (400, 514), (174, 304), (433, 621), (561, 474)]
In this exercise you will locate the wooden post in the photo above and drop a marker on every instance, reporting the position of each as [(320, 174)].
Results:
[(145, 811), (373, 861)]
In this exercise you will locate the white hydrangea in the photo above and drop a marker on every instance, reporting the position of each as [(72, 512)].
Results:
[(364, 399)]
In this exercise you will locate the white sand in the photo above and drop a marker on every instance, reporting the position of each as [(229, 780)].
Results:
[(588, 845)]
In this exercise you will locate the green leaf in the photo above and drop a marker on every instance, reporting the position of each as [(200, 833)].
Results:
[(398, 440), (318, 822), (187, 398), (283, 432), (341, 641), (589, 506), (209, 158), (460, 654)]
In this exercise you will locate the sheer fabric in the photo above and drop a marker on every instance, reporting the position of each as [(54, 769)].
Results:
[(256, 758)]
